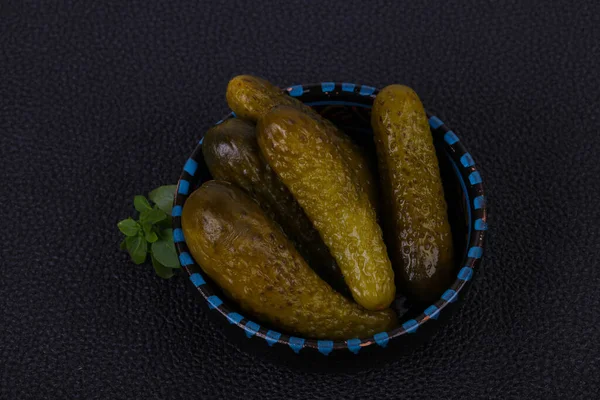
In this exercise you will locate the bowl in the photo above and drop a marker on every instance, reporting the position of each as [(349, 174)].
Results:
[(348, 105)]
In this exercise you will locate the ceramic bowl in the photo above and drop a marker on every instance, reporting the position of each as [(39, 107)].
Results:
[(348, 105)]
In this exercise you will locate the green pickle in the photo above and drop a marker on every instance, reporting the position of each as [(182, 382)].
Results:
[(251, 97), (417, 229), (231, 153), (308, 160), (250, 258)]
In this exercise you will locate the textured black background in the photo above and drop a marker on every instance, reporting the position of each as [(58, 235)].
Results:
[(103, 100)]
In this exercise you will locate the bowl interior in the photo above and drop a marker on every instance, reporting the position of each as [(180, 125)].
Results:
[(351, 112)]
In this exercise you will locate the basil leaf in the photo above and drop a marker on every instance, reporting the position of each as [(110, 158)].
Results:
[(151, 237), (129, 227), (146, 228), (163, 197), (137, 248), (143, 217), (164, 251), (161, 270), (152, 216), (141, 203), (123, 245), (167, 234), (166, 223)]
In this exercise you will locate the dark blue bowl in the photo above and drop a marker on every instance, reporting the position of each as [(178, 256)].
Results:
[(348, 105)]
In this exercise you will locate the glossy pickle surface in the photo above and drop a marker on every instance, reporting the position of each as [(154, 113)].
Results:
[(249, 257), (416, 225), (251, 97), (309, 161), (231, 153)]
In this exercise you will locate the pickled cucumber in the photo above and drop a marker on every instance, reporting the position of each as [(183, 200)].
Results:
[(232, 154), (416, 227), (249, 257), (309, 161), (251, 97)]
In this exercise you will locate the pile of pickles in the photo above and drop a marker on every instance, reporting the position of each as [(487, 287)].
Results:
[(296, 230)]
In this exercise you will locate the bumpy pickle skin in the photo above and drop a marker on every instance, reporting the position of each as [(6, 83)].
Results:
[(249, 257), (417, 230), (310, 163), (251, 97), (231, 153)]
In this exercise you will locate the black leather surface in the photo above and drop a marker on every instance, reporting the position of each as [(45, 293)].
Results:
[(100, 101)]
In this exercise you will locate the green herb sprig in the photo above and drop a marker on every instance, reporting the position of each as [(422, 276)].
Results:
[(151, 233)]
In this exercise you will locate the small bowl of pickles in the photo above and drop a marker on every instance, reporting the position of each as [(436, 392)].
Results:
[(329, 219)]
